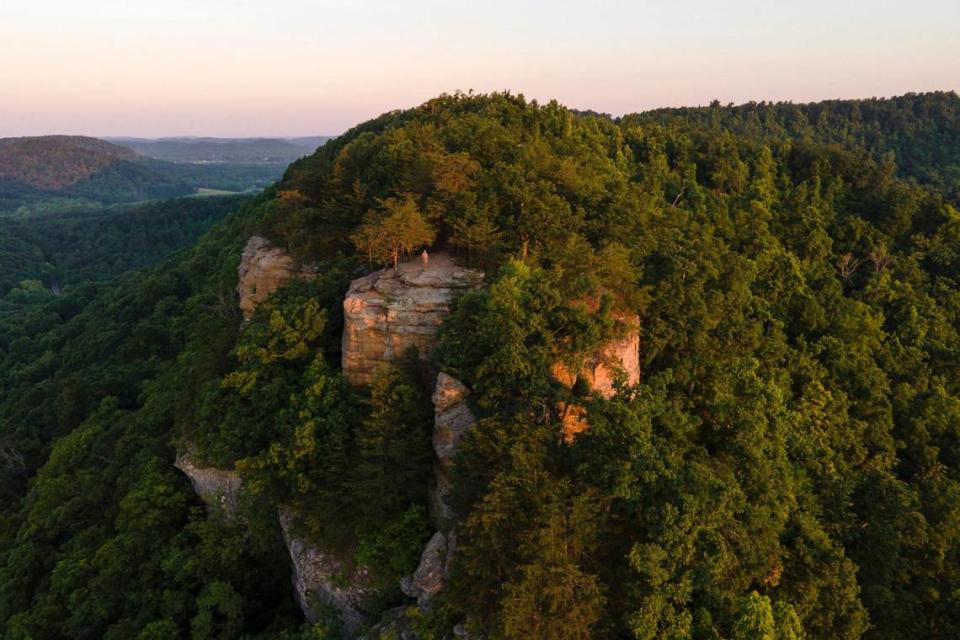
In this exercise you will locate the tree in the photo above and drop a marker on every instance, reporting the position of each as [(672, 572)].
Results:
[(394, 231)]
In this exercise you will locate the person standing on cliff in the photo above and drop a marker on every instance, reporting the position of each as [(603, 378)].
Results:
[(425, 257)]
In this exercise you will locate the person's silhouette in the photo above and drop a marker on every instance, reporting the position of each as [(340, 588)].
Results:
[(425, 257)]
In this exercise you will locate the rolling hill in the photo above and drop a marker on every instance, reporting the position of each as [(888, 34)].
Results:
[(62, 172), (785, 465), (224, 150)]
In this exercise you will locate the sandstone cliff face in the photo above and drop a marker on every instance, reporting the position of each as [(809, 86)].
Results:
[(452, 419), (263, 269), (217, 487), (321, 579), (318, 577), (385, 313), (601, 368)]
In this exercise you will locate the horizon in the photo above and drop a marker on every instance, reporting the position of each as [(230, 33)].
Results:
[(215, 68), (120, 137)]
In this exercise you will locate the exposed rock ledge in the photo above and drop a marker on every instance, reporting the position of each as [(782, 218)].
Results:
[(385, 313), (219, 488), (318, 578), (600, 369), (452, 419), (263, 269), (321, 579)]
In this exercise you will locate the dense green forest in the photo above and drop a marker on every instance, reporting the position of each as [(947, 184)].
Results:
[(787, 467), (63, 249)]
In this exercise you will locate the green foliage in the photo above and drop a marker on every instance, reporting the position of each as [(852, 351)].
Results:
[(63, 250), (393, 231), (788, 466), (56, 174)]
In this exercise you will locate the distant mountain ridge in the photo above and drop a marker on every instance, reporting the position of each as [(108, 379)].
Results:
[(54, 173), (224, 150), (54, 162)]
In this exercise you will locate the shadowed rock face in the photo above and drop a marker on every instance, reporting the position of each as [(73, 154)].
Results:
[(385, 313), (320, 578), (263, 269), (217, 487), (452, 419), (431, 573)]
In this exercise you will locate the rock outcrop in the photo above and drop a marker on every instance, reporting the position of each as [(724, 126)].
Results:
[(432, 572), (601, 368), (219, 488), (263, 269), (385, 313), (452, 418), (321, 579)]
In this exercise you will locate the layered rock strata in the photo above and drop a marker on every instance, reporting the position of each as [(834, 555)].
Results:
[(386, 312), (263, 269)]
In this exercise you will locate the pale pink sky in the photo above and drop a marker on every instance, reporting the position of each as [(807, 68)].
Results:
[(303, 67)]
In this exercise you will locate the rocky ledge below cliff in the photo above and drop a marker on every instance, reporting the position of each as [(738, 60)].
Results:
[(387, 312), (219, 488), (263, 269), (321, 579)]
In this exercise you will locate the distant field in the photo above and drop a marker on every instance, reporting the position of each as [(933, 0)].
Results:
[(204, 192)]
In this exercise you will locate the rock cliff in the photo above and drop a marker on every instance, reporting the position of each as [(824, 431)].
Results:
[(600, 369), (219, 488), (263, 269), (452, 418), (432, 572), (385, 313), (321, 579)]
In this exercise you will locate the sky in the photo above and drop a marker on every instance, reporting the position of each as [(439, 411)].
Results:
[(317, 67)]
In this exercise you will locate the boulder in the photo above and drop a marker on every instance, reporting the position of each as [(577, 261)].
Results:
[(431, 573), (219, 488), (387, 312), (263, 269)]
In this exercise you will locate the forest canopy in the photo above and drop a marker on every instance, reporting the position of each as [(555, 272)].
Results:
[(788, 465)]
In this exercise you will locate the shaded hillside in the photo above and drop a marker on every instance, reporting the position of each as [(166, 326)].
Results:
[(55, 162), (64, 249), (54, 173), (787, 466)]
